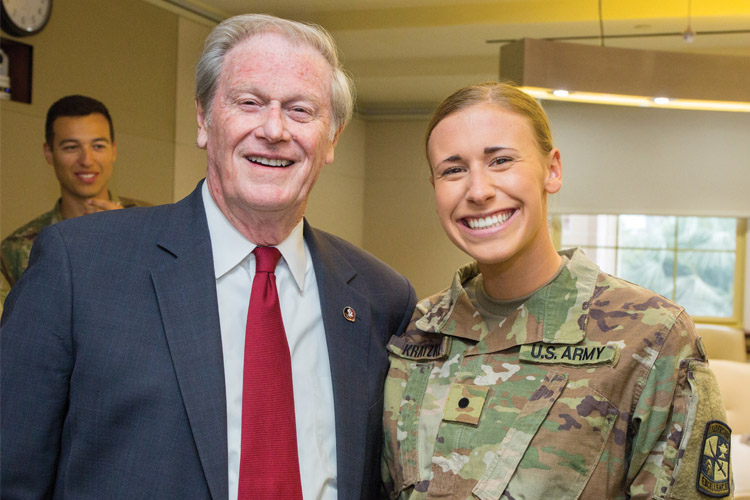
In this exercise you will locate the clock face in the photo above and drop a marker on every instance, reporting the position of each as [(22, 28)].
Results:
[(25, 17)]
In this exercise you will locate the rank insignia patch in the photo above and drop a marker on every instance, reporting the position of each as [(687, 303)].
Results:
[(713, 470)]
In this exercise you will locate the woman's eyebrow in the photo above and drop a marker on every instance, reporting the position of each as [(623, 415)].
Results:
[(452, 158), (494, 149)]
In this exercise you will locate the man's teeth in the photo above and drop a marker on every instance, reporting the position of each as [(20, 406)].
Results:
[(87, 176), (485, 222), (270, 162)]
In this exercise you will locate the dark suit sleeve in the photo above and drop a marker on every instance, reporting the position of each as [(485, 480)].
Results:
[(36, 360), (411, 303)]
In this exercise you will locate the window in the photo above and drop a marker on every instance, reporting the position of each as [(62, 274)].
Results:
[(695, 261)]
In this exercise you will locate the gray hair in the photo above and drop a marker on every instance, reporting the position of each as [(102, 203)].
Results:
[(236, 29)]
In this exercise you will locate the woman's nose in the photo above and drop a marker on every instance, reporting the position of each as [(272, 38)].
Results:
[(480, 187)]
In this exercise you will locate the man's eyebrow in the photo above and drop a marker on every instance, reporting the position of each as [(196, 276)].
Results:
[(77, 141)]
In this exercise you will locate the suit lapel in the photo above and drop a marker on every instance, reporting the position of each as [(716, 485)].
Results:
[(348, 345), (186, 291)]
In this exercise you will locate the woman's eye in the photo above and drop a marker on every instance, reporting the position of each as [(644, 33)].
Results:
[(501, 160), (451, 171)]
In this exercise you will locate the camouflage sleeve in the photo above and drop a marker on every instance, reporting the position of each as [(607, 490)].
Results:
[(14, 257), (4, 290), (671, 421), (131, 202), (387, 479)]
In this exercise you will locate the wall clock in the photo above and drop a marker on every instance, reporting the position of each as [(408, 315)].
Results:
[(25, 17)]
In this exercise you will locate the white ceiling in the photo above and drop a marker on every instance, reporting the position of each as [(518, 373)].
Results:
[(406, 55)]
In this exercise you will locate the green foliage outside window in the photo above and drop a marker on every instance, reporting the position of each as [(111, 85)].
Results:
[(690, 260)]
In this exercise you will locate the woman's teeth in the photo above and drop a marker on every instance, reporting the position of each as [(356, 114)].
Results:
[(491, 221)]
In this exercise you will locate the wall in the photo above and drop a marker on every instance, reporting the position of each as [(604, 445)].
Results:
[(337, 204), (644, 160), (88, 47), (190, 162)]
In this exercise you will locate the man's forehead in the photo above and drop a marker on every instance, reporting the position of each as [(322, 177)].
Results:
[(90, 127), (271, 63), (277, 53)]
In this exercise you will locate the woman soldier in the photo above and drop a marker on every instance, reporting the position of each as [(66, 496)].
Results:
[(536, 375)]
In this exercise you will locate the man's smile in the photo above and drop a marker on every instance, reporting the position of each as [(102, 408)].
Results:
[(269, 162)]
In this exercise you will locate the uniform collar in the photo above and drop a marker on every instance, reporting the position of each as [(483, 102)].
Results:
[(556, 313), (56, 212)]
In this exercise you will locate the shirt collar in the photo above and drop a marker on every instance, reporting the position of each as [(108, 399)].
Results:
[(230, 247)]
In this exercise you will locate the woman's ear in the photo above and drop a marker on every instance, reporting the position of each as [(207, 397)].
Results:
[(553, 183)]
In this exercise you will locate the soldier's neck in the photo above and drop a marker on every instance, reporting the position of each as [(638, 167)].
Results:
[(75, 206)]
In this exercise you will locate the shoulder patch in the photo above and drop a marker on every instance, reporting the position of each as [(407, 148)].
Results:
[(400, 346), (542, 352), (713, 469)]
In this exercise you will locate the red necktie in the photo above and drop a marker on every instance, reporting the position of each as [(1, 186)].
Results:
[(269, 467)]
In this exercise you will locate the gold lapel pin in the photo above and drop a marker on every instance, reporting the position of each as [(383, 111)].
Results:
[(349, 314)]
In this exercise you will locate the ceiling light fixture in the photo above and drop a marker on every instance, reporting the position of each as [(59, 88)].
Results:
[(628, 77), (689, 35)]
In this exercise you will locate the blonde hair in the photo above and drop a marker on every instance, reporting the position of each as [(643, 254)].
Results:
[(504, 95)]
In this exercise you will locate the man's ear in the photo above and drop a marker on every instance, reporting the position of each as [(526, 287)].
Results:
[(332, 146), (202, 138), (47, 153), (553, 183)]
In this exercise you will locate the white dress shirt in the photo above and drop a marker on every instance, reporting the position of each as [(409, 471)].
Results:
[(234, 266)]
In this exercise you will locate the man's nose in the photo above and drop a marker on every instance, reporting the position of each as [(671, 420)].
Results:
[(87, 157), (273, 128)]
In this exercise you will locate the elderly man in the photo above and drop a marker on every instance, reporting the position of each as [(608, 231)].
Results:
[(181, 382)]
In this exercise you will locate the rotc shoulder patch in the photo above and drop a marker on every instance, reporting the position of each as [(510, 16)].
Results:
[(404, 349), (541, 352), (713, 469)]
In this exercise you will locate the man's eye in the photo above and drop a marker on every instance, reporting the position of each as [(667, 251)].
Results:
[(301, 114)]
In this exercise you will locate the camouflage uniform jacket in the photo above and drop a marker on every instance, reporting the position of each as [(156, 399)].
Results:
[(593, 388), (15, 249)]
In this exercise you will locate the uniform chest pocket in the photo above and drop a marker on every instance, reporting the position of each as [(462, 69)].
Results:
[(555, 459), (548, 449)]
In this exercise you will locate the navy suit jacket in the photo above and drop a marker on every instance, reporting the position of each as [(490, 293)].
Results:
[(112, 381)]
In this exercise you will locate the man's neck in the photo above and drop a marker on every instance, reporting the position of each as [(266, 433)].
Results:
[(74, 206), (264, 228)]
